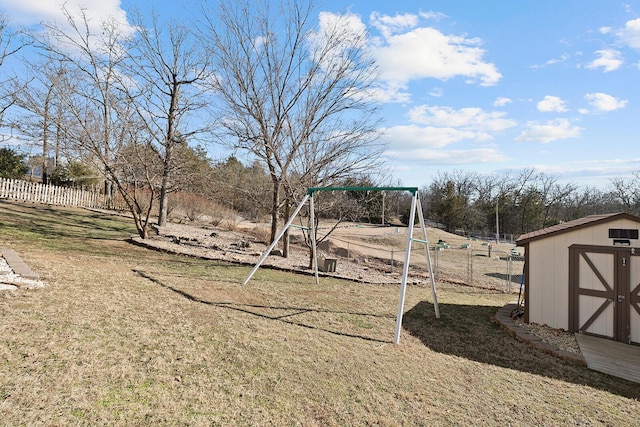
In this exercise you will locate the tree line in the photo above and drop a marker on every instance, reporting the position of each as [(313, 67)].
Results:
[(517, 203)]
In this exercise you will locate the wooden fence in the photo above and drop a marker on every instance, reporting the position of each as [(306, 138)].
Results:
[(15, 189)]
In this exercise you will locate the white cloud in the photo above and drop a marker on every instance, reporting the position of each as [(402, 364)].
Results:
[(552, 61), (34, 12), (452, 157), (436, 92), (470, 119), (601, 169), (609, 60), (386, 94), (630, 33), (552, 104), (437, 16), (343, 32), (389, 25), (549, 131), (412, 137), (502, 101), (604, 30), (350, 26), (435, 128), (602, 102), (406, 52)]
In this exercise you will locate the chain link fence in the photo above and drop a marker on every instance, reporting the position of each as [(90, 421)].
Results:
[(495, 269), (464, 261)]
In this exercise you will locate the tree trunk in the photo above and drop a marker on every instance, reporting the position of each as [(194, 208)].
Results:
[(310, 258), (45, 145), (169, 144), (275, 209), (164, 201), (285, 237), (143, 231), (108, 193)]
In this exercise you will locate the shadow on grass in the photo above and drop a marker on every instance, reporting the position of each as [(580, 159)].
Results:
[(254, 309), (467, 331), (46, 223)]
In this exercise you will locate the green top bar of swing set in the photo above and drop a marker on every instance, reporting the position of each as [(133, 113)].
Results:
[(412, 190)]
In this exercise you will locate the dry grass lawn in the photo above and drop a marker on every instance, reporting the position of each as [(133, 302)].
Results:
[(126, 336)]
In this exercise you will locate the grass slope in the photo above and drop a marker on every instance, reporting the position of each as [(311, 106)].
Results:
[(125, 336)]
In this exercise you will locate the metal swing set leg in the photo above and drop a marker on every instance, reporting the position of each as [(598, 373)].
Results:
[(415, 203)]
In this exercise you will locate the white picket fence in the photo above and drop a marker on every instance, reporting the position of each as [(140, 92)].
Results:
[(15, 189)]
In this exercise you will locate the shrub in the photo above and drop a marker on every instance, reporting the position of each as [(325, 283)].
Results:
[(12, 165), (200, 209)]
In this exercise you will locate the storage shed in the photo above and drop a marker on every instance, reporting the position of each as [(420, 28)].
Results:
[(584, 276)]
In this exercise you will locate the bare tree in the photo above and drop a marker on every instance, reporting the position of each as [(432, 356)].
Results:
[(588, 201), (627, 192), (554, 196), (10, 43), (291, 94), (40, 95), (169, 69), (102, 119)]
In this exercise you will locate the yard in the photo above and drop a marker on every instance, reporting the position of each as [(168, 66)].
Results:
[(122, 335)]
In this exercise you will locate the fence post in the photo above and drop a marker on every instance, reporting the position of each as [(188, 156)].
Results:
[(509, 274), (469, 268), (392, 257), (436, 274)]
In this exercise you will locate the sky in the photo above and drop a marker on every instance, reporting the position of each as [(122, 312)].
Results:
[(492, 86)]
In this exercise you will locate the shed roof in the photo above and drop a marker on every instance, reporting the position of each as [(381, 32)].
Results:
[(565, 227)]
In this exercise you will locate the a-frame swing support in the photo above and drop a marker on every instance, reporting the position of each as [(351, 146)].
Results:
[(415, 205)]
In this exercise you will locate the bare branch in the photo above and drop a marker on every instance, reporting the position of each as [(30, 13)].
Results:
[(291, 94)]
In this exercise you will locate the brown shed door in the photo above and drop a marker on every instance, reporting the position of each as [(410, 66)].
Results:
[(634, 297), (603, 299)]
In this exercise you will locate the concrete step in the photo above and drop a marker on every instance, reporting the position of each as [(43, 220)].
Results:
[(17, 265)]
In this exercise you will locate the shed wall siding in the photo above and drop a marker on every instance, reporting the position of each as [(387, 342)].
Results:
[(548, 290), (549, 270)]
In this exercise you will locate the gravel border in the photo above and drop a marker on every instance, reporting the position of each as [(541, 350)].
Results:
[(551, 341)]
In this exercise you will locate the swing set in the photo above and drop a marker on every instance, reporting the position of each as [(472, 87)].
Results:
[(415, 205)]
